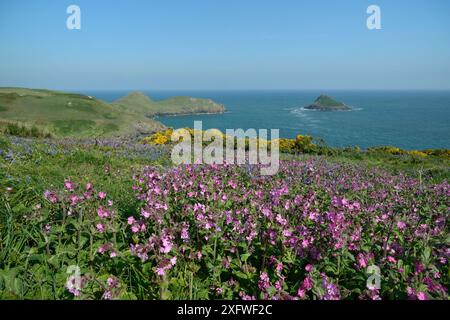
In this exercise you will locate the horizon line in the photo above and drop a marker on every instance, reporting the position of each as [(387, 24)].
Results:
[(227, 89)]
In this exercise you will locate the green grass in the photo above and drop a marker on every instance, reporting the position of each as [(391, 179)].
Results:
[(139, 103), (327, 101), (75, 115), (72, 127), (21, 275), (66, 114)]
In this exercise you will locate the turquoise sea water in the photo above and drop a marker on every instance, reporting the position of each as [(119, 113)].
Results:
[(406, 119)]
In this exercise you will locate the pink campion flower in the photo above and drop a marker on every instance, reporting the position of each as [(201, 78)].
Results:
[(102, 195), (263, 282), (401, 225), (281, 220), (131, 220), (278, 285), (104, 248), (74, 200), (232, 184), (51, 196), (87, 195), (422, 296), (135, 228), (160, 271), (100, 227), (374, 294), (309, 267), (74, 285), (69, 185), (362, 261), (266, 212), (411, 293), (103, 213), (391, 259), (110, 203), (145, 213), (419, 267), (301, 293), (184, 233), (246, 296), (307, 283), (279, 267), (107, 295), (305, 243), (166, 245), (113, 254), (161, 206), (112, 282), (89, 186), (173, 260)]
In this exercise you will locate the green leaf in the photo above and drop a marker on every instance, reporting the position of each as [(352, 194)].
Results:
[(241, 275), (244, 257)]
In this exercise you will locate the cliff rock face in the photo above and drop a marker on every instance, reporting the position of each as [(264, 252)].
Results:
[(326, 103)]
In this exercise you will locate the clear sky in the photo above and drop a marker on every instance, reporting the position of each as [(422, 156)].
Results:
[(225, 44)]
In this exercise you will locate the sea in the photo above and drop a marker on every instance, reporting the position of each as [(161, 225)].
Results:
[(405, 119)]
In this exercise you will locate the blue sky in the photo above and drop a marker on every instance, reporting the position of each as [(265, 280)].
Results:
[(225, 44)]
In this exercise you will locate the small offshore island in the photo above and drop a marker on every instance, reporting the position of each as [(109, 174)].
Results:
[(326, 103)]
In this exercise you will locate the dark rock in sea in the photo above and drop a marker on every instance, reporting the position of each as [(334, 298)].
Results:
[(326, 103)]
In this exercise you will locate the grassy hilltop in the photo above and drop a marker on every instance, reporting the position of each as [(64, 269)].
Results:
[(139, 103), (75, 115)]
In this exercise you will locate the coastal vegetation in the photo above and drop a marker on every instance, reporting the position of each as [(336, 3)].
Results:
[(433, 162), (138, 227), (63, 114), (109, 216)]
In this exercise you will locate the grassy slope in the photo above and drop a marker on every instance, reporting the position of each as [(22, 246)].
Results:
[(75, 115), (327, 101), (140, 103), (67, 114)]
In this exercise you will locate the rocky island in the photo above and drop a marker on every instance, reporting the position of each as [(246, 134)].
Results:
[(326, 103)]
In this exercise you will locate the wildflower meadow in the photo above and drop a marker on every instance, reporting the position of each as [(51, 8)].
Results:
[(107, 225)]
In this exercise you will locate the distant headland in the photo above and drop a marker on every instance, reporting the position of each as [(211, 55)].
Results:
[(64, 114), (326, 103)]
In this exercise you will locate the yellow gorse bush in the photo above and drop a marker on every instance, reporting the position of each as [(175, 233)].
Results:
[(301, 144)]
